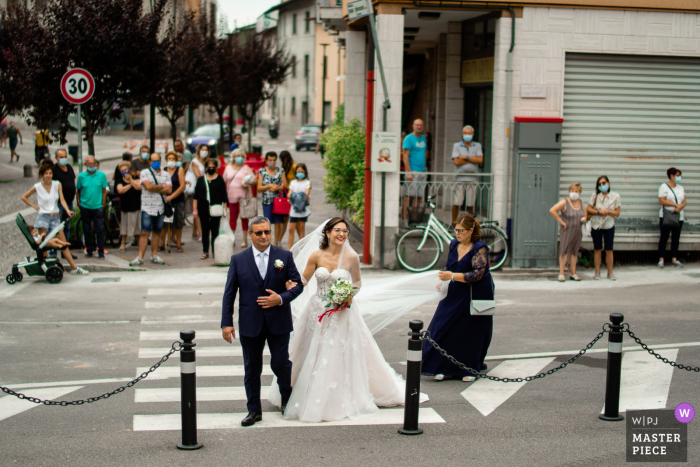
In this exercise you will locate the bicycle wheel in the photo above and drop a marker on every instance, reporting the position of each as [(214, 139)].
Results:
[(498, 246), (413, 259)]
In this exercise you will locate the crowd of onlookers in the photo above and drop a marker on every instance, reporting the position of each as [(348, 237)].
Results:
[(158, 194)]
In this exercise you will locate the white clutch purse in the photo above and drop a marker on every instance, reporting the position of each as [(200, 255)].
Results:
[(482, 307)]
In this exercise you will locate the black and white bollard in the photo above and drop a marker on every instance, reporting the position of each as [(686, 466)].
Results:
[(413, 368), (188, 392), (612, 382)]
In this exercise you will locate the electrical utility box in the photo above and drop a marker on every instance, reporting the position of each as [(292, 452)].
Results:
[(536, 164)]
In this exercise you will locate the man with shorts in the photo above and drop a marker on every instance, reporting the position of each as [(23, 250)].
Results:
[(155, 184), (414, 155), (466, 155), (12, 134)]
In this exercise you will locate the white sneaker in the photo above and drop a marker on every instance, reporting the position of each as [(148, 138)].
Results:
[(157, 260), (80, 271), (136, 262), (661, 264), (439, 377), (678, 264)]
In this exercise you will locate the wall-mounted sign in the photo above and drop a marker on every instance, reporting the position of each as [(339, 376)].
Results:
[(357, 9), (477, 71), (386, 151)]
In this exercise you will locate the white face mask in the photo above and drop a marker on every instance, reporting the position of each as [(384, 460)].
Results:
[(203, 154), (172, 164), (574, 195)]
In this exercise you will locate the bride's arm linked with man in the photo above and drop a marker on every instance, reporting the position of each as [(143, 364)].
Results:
[(259, 275)]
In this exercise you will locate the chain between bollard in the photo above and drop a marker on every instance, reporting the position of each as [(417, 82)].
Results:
[(107, 395), (626, 328), (426, 335)]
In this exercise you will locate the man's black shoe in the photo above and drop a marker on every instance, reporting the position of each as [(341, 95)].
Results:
[(251, 418), (284, 405)]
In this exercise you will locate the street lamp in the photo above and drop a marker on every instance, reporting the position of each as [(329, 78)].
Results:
[(323, 90)]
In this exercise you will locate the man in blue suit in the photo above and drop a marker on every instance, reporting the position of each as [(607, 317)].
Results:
[(264, 312)]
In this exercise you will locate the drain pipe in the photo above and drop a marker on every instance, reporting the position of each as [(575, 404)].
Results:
[(509, 82)]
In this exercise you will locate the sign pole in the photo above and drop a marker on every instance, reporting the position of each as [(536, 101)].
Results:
[(80, 140)]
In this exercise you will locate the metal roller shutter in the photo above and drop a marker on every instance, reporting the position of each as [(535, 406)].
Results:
[(631, 118)]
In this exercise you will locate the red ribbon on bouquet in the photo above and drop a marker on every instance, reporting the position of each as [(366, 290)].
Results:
[(330, 312)]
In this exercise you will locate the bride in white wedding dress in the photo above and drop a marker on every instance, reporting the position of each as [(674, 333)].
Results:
[(338, 370)]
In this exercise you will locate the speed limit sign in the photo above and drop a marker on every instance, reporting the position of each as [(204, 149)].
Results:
[(77, 86)]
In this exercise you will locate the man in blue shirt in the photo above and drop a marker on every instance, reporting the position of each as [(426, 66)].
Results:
[(414, 156), (92, 189)]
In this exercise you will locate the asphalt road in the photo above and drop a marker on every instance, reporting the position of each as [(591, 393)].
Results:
[(81, 331)]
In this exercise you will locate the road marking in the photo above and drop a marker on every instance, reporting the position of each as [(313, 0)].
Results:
[(181, 304), (34, 323), (218, 351), (192, 291), (573, 352), (486, 395), (175, 335), (165, 372), (645, 380), (221, 393), (182, 319), (10, 405), (227, 421), (11, 217), (9, 290), (16, 387)]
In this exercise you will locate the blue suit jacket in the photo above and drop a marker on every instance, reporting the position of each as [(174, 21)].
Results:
[(243, 275)]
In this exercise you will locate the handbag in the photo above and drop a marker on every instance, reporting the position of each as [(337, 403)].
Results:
[(482, 307), (281, 204), (248, 205), (672, 219), (192, 179), (215, 210), (167, 207)]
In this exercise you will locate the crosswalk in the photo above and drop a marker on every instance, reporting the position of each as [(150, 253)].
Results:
[(217, 361)]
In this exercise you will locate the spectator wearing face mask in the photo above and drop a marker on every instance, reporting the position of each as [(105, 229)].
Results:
[(672, 199), (63, 172), (238, 144), (271, 183), (129, 189), (299, 192), (573, 214), (177, 199), (92, 189), (142, 162), (234, 174), (117, 175), (603, 208), (210, 191), (201, 156)]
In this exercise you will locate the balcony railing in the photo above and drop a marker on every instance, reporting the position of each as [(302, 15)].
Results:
[(446, 191)]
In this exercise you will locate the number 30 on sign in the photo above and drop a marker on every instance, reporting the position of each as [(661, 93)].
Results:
[(77, 86)]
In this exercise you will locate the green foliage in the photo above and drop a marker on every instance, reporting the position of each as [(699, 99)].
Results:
[(344, 183)]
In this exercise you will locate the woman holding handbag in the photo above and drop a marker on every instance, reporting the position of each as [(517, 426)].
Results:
[(463, 321), (239, 192), (210, 204), (271, 184), (671, 218)]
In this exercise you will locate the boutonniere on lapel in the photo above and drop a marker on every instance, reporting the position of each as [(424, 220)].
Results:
[(279, 265)]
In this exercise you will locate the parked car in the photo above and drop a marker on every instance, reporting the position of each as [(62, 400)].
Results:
[(209, 135), (307, 137)]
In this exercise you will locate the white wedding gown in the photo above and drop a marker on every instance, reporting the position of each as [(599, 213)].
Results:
[(338, 370)]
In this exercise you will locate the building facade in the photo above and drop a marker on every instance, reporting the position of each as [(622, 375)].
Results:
[(621, 75)]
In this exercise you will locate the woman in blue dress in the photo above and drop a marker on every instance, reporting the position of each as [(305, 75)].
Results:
[(465, 337)]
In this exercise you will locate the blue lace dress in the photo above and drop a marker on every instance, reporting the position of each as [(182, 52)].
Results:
[(465, 337)]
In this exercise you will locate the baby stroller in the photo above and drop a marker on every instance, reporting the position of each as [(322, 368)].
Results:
[(51, 268)]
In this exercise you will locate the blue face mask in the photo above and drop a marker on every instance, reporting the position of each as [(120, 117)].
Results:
[(63, 161), (155, 165), (92, 169), (144, 155), (125, 173), (678, 178), (467, 138), (300, 175), (178, 163), (240, 160), (604, 188)]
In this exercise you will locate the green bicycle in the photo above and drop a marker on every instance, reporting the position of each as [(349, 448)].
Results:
[(420, 248)]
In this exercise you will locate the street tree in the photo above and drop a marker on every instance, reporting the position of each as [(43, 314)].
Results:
[(263, 66), (185, 74), (116, 41)]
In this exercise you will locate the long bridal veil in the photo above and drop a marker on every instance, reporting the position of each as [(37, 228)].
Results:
[(381, 301)]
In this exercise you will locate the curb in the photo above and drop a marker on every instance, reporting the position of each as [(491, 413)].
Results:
[(108, 268)]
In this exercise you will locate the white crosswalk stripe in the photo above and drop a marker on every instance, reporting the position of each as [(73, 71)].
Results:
[(219, 351), (187, 291), (228, 421), (10, 405), (171, 336), (203, 371), (180, 304), (182, 319), (220, 393)]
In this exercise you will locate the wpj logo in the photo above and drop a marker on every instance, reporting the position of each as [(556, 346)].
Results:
[(656, 436)]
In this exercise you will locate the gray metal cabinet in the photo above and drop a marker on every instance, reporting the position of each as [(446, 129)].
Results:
[(537, 156)]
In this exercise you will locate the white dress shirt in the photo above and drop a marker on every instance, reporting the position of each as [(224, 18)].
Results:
[(266, 258)]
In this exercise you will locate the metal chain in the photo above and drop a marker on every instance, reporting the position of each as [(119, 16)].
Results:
[(131, 383), (426, 336), (626, 328)]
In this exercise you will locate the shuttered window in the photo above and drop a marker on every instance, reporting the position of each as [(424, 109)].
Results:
[(631, 118)]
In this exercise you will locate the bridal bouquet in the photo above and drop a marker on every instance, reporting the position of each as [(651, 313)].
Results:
[(338, 296)]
